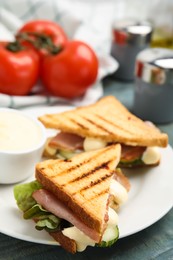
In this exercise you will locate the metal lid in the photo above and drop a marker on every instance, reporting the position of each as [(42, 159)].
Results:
[(155, 65), (132, 32)]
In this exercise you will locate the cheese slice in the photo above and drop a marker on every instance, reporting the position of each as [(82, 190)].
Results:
[(82, 240), (151, 155), (119, 192), (91, 143)]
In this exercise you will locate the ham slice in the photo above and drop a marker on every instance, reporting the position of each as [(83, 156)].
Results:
[(122, 179), (71, 142), (48, 201), (67, 141)]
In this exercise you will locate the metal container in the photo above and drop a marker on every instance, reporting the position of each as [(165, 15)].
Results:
[(129, 38), (153, 98)]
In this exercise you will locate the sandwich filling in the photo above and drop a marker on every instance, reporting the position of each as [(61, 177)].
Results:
[(51, 214), (66, 145), (110, 234), (74, 196), (49, 202)]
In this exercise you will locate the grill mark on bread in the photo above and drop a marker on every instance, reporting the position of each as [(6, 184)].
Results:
[(88, 120), (78, 123), (86, 174), (105, 121), (74, 167), (99, 194), (97, 125), (94, 183), (113, 124)]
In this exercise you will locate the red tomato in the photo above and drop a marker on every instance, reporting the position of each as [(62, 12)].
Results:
[(71, 72), (18, 70), (47, 28)]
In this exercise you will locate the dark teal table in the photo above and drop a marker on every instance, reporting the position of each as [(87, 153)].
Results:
[(155, 242)]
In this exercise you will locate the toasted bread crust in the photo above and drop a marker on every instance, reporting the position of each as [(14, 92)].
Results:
[(67, 243), (82, 183), (107, 119)]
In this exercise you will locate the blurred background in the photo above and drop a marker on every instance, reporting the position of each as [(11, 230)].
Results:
[(95, 22), (94, 17)]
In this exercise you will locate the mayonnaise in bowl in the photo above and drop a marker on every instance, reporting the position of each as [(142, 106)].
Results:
[(22, 140)]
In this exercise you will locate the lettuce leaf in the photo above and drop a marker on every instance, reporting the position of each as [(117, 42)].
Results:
[(50, 223), (36, 212), (43, 218), (32, 210), (23, 194), (133, 163)]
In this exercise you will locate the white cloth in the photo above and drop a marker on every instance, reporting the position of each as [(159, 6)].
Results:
[(89, 21)]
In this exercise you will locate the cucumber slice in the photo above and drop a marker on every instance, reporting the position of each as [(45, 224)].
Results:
[(68, 154), (59, 156), (110, 236), (136, 162)]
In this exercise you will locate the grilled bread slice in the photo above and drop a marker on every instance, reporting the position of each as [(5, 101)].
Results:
[(109, 120), (67, 243), (82, 183)]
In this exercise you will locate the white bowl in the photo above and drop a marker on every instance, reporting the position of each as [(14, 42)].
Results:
[(18, 159)]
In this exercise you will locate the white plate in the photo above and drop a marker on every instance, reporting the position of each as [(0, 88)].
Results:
[(150, 198)]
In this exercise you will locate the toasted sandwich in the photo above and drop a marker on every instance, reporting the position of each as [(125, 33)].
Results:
[(101, 124), (72, 199)]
